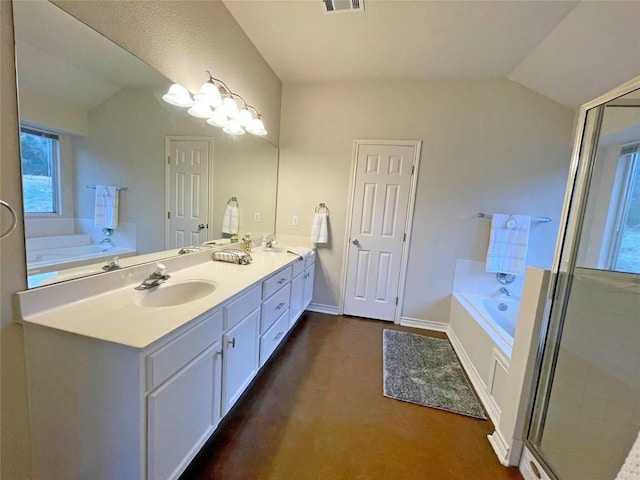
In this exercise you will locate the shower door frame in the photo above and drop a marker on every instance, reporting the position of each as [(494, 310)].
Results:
[(580, 170)]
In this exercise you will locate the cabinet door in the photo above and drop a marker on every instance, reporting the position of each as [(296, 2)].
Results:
[(182, 413), (297, 291), (308, 285), (240, 358)]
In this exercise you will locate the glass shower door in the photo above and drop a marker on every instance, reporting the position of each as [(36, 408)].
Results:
[(586, 413)]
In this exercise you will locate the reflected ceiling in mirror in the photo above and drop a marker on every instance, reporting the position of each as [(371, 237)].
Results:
[(91, 114)]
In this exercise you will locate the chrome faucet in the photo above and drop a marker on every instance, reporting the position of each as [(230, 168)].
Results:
[(158, 277), (111, 265), (504, 291)]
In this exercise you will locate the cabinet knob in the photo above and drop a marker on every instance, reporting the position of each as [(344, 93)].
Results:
[(281, 281), (280, 305), (232, 342)]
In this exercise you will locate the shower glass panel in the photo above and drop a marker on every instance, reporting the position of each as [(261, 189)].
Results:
[(586, 413)]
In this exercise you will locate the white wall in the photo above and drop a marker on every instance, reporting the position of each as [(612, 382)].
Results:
[(491, 146)]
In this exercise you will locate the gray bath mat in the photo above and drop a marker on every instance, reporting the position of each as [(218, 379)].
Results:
[(426, 371)]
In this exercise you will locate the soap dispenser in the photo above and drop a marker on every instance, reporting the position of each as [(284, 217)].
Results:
[(246, 243)]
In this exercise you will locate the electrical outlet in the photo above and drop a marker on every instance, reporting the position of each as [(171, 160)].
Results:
[(256, 217), (294, 220)]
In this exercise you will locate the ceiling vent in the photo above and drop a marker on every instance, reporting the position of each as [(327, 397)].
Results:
[(342, 6)]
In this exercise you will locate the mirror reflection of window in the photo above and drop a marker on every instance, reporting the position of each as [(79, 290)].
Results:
[(39, 151), (625, 251)]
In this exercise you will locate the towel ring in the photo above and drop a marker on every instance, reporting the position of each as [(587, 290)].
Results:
[(232, 200), (14, 220), (322, 206)]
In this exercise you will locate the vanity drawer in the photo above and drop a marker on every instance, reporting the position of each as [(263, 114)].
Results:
[(297, 267), (272, 338), (273, 308), (241, 307), (171, 357), (275, 282)]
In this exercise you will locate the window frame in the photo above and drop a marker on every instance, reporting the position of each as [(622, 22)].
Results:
[(55, 167), (627, 181)]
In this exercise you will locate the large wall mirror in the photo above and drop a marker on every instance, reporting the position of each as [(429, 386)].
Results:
[(92, 115)]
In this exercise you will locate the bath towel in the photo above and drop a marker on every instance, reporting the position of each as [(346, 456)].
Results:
[(230, 220), (106, 212), (508, 243), (319, 228)]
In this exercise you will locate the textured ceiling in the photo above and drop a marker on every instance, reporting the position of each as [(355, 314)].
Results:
[(567, 50)]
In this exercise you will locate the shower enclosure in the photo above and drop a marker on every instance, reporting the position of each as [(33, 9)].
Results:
[(585, 414)]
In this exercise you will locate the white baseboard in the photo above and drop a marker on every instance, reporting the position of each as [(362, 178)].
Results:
[(474, 376), (499, 445), (425, 324), (320, 308)]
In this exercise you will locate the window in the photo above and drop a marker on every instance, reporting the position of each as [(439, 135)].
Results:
[(625, 251), (39, 152)]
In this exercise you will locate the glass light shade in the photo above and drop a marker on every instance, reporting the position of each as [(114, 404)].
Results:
[(233, 128), (200, 109), (178, 96), (230, 107), (257, 127), (219, 118), (245, 117), (209, 94)]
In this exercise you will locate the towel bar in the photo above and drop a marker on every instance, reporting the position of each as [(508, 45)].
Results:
[(120, 189), (533, 219)]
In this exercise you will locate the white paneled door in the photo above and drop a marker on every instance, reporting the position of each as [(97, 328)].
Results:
[(380, 221), (189, 166)]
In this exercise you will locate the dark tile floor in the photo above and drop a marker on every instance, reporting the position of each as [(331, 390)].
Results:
[(317, 412)]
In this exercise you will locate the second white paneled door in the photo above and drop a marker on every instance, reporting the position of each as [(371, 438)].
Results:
[(383, 191), (189, 167)]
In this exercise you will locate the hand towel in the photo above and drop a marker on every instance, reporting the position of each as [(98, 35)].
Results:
[(230, 220), (508, 243), (106, 211), (319, 228), (302, 252)]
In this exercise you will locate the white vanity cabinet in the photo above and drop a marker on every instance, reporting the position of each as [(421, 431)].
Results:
[(274, 319), (240, 341), (183, 410), (301, 286), (109, 400)]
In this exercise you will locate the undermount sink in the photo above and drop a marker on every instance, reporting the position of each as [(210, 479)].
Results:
[(177, 293)]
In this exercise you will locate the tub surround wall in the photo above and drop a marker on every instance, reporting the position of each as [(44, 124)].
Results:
[(491, 146)]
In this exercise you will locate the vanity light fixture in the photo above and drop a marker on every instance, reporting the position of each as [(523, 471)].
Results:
[(178, 96), (220, 106)]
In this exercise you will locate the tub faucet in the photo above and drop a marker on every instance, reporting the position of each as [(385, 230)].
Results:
[(106, 240), (158, 277), (504, 291)]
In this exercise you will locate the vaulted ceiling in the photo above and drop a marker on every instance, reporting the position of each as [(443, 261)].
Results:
[(569, 51)]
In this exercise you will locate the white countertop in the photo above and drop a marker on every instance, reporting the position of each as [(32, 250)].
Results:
[(114, 316)]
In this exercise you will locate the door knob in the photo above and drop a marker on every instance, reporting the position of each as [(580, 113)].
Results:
[(356, 242), (201, 227)]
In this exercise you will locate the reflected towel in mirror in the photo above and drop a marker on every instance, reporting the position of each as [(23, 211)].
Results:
[(230, 220), (107, 202)]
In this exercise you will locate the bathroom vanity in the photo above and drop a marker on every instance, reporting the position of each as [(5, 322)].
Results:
[(128, 384)]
